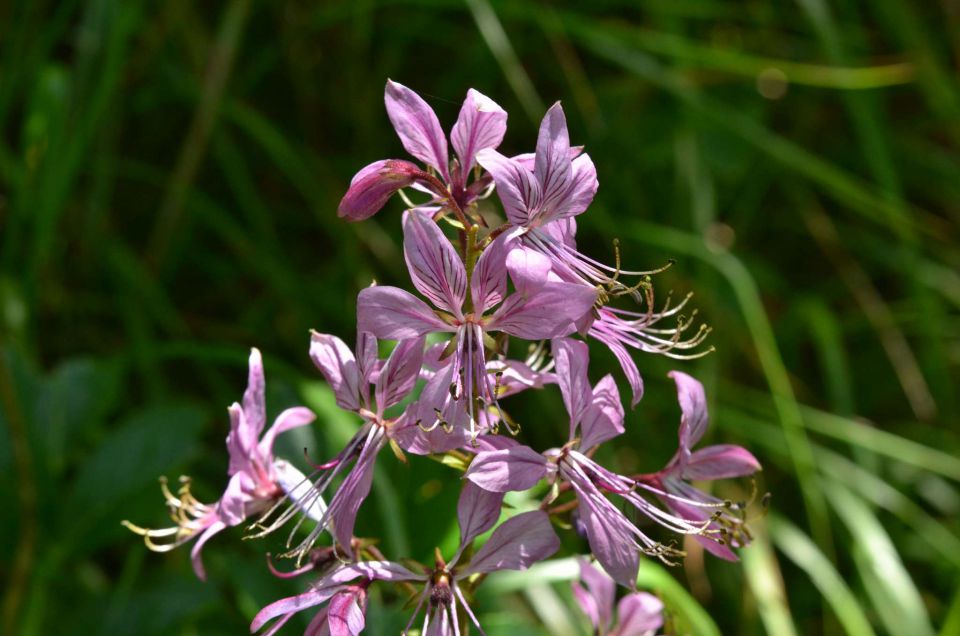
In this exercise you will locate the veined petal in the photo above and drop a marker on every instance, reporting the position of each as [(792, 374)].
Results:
[(580, 191), (391, 313), (481, 124), (721, 461), (400, 373), (353, 491), (552, 162), (345, 616), (638, 614), (548, 313), (254, 400), (366, 356), (518, 190), (608, 534), (372, 187), (477, 511), (292, 605), (417, 126), (338, 366), (529, 159), (516, 544), (629, 367), (693, 407), (515, 468), (572, 358), (435, 267), (603, 418), (488, 285)]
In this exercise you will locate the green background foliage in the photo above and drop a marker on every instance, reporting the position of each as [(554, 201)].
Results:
[(169, 175)]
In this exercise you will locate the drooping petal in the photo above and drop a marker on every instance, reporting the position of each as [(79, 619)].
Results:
[(516, 544), (417, 126), (400, 373), (195, 551), (629, 367), (550, 312), (339, 368), (353, 491), (515, 468), (552, 162), (489, 282), (572, 358), (603, 418), (435, 267), (587, 603), (372, 187), (481, 124), (609, 536), (638, 614), (292, 605), (391, 313), (291, 418), (722, 461), (603, 589), (516, 186), (693, 406), (477, 511)]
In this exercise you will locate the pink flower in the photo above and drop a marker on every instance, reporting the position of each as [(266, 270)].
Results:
[(257, 479), (458, 396), (481, 124)]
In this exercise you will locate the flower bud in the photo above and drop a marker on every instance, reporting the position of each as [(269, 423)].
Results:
[(373, 185)]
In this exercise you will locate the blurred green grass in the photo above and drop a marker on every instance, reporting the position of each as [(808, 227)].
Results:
[(169, 175)]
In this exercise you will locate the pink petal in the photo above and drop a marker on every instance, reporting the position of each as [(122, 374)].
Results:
[(629, 367), (548, 313), (339, 368), (291, 605), (391, 313), (366, 356), (232, 507), (693, 406), (240, 444), (481, 124), (638, 614), (587, 603), (608, 534), (580, 192), (722, 461), (552, 162), (435, 267), (529, 269), (515, 468), (299, 489), (518, 190), (572, 359), (344, 616), (603, 590), (400, 373), (489, 283), (291, 418), (516, 544), (417, 126), (373, 186), (254, 399), (477, 511), (352, 492), (195, 558), (603, 419)]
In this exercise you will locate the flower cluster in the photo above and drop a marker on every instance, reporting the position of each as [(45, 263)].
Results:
[(482, 284)]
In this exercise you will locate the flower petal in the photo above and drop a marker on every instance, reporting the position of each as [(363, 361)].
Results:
[(353, 491), (366, 356), (488, 285), (550, 312), (299, 489), (195, 558), (400, 373), (477, 511), (588, 604), (529, 269), (339, 368), (603, 418), (481, 124), (580, 192), (344, 615), (572, 358), (515, 468), (417, 126), (254, 398), (608, 534), (291, 418), (629, 367), (435, 267), (391, 313), (693, 407), (516, 544), (372, 187), (552, 162), (516, 186), (602, 589), (291, 605), (721, 461), (638, 614)]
